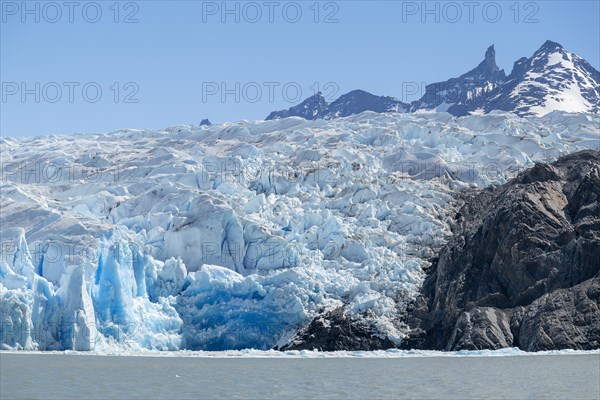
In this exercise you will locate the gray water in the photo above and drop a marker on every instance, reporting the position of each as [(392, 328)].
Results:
[(64, 376)]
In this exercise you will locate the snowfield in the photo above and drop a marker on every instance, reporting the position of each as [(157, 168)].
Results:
[(234, 236)]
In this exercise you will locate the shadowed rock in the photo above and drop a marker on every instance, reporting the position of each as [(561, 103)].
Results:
[(336, 330), (523, 266)]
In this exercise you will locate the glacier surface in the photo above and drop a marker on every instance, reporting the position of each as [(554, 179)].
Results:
[(234, 236)]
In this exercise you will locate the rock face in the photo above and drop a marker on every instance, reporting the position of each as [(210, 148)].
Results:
[(358, 101), (466, 93), (335, 330), (311, 108), (523, 266)]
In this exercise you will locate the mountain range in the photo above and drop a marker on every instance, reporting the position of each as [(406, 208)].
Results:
[(552, 79)]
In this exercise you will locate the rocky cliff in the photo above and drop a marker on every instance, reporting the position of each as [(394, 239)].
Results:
[(522, 268)]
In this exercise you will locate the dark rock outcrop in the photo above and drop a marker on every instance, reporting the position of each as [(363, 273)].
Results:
[(336, 330), (358, 101), (355, 102), (467, 92), (523, 266), (311, 108)]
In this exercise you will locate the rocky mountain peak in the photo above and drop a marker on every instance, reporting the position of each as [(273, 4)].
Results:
[(490, 60), (487, 69), (311, 108), (552, 79), (550, 45)]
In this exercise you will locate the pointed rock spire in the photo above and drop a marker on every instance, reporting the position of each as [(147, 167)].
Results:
[(490, 59)]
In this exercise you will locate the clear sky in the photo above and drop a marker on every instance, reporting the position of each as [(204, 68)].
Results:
[(100, 66)]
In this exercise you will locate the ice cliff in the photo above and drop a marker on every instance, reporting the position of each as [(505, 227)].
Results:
[(237, 235)]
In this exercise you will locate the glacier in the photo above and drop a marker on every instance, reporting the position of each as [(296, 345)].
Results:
[(234, 236)]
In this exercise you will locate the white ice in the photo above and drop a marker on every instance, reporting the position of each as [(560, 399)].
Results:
[(233, 236)]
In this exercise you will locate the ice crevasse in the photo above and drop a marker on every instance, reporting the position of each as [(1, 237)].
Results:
[(236, 235)]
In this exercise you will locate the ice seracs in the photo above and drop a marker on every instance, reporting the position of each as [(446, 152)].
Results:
[(236, 235)]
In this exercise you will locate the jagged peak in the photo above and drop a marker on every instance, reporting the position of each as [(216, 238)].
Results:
[(488, 66), (519, 65), (490, 59), (316, 96), (550, 45)]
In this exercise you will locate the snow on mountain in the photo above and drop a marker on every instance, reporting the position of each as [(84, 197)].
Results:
[(553, 79), (236, 235)]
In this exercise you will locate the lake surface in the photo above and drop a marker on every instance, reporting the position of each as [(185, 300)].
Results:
[(76, 376)]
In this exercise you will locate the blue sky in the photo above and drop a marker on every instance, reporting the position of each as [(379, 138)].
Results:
[(164, 63)]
